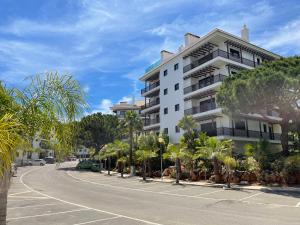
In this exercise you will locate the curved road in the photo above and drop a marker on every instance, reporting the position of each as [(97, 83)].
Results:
[(87, 196)]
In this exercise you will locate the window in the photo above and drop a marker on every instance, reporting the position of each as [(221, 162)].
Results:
[(166, 110), (166, 131), (234, 53), (176, 66), (240, 125), (208, 104), (209, 128), (265, 128), (177, 107), (177, 129), (165, 73), (165, 91), (176, 86), (258, 61)]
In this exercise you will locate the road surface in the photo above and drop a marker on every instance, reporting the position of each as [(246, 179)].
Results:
[(45, 195)]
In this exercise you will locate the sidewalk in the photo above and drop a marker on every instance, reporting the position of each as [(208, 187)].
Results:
[(209, 184)]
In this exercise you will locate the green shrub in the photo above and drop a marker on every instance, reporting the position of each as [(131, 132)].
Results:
[(292, 164), (95, 167), (277, 165)]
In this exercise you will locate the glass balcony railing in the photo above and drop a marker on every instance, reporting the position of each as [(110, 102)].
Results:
[(150, 87), (150, 104), (149, 122)]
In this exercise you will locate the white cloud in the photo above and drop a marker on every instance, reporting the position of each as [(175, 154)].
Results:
[(104, 107), (285, 38)]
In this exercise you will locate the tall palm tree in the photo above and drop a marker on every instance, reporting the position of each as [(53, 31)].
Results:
[(106, 153), (9, 138), (175, 153), (121, 148), (133, 123), (48, 104)]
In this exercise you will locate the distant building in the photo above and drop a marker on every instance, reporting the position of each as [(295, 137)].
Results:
[(120, 109)]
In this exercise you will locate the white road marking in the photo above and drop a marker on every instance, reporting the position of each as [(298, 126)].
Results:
[(251, 196), (212, 192), (19, 193), (83, 206), (181, 195), (47, 214), (93, 221), (32, 206), (28, 197), (298, 204)]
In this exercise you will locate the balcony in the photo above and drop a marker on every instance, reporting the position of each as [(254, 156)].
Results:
[(151, 104), (232, 132), (196, 110), (149, 122), (150, 87), (204, 83), (219, 53)]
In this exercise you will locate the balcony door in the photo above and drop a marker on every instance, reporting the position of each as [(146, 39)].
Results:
[(209, 128)]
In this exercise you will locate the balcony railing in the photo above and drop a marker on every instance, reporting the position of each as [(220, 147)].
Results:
[(150, 104), (150, 87), (199, 109), (232, 132), (204, 83), (149, 122), (215, 54)]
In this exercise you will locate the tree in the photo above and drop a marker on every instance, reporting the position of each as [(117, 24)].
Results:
[(47, 106), (175, 153), (147, 150), (215, 150), (132, 123), (275, 86), (107, 152), (121, 149), (97, 130), (9, 139)]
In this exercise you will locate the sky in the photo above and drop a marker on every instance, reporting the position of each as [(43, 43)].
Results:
[(107, 44)]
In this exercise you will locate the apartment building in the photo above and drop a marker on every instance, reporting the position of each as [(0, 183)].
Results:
[(186, 83), (120, 109)]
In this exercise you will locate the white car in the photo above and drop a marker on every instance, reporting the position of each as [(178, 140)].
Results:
[(37, 162)]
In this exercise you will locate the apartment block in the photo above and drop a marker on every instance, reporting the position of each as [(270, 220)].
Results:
[(186, 83), (121, 108)]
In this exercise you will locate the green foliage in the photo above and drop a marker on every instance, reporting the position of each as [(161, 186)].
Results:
[(148, 147), (292, 164), (96, 130), (251, 165)]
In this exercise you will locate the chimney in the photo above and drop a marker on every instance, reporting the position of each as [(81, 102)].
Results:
[(190, 39), (245, 33), (165, 54)]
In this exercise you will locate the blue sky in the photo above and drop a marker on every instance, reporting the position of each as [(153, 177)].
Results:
[(107, 44)]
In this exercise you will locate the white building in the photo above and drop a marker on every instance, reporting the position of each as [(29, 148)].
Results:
[(120, 109), (185, 83)]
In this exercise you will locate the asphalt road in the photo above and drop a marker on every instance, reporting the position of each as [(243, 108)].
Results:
[(45, 195)]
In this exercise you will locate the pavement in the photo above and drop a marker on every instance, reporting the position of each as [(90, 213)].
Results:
[(46, 195)]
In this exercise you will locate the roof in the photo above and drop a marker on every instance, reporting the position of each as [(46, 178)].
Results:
[(204, 39), (125, 106)]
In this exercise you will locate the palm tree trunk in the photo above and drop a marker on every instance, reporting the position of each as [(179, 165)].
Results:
[(4, 184), (132, 169), (108, 169), (122, 170), (177, 170), (216, 169), (144, 170)]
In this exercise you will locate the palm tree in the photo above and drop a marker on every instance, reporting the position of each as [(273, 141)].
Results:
[(121, 149), (147, 150), (215, 150), (175, 153), (48, 104), (9, 139), (133, 123), (106, 153)]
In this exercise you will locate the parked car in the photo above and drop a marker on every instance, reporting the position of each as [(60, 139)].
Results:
[(49, 160), (37, 162)]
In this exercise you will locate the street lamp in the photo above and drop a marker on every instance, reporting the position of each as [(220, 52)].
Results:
[(161, 144)]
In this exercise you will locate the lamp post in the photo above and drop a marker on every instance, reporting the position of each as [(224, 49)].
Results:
[(161, 144)]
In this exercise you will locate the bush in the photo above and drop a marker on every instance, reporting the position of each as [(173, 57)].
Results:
[(292, 164), (95, 167)]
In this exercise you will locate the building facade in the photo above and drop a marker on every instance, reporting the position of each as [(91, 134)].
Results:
[(120, 109), (186, 83)]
